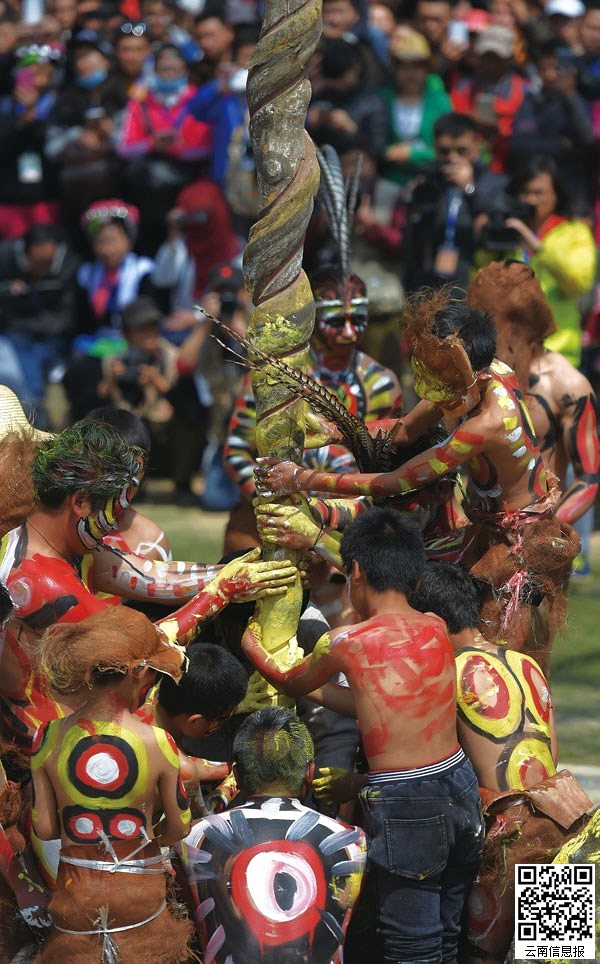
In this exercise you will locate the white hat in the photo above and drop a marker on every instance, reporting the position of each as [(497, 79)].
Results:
[(564, 8)]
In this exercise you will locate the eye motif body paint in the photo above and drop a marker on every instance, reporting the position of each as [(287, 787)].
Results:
[(504, 696), (273, 880)]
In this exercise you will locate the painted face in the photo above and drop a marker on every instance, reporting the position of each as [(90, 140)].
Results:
[(342, 311), (430, 385), (92, 528)]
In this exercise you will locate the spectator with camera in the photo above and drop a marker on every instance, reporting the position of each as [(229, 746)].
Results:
[(344, 113), (199, 238), (560, 249), (439, 237), (555, 121), (154, 380), (37, 302)]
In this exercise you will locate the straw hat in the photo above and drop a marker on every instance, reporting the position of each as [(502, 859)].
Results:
[(13, 418)]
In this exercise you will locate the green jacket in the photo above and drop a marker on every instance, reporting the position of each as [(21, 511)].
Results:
[(435, 103)]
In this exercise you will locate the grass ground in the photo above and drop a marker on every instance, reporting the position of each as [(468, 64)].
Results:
[(576, 658)]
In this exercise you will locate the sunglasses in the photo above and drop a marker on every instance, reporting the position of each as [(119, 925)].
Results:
[(135, 29)]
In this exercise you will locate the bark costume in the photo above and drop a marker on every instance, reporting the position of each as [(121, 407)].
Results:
[(109, 903), (523, 826)]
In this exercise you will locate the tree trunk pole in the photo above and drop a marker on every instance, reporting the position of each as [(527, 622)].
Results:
[(283, 318)]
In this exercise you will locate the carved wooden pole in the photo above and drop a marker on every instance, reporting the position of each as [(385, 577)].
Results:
[(282, 322)]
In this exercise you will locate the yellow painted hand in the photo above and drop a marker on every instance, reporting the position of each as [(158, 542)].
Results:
[(336, 785), (292, 526), (319, 431), (246, 579)]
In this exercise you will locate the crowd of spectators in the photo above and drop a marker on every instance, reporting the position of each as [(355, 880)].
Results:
[(128, 187)]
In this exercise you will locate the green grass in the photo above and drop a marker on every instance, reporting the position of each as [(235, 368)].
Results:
[(575, 674)]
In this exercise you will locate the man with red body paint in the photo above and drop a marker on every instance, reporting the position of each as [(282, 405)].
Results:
[(422, 802)]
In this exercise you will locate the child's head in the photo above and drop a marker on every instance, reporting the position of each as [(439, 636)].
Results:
[(111, 226), (382, 552), (449, 592), (207, 694), (474, 328), (452, 348), (273, 753), (116, 647)]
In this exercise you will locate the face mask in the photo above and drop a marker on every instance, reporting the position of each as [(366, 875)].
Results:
[(92, 80), (171, 85)]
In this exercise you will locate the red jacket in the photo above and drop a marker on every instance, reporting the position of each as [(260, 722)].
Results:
[(146, 118), (464, 101)]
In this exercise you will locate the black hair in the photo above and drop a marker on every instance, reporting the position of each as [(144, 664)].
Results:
[(127, 424), (214, 682), (387, 547), (42, 234), (475, 329), (449, 592), (6, 604), (172, 48), (454, 125), (272, 746), (245, 34), (532, 167), (140, 313), (339, 57), (354, 3), (213, 11)]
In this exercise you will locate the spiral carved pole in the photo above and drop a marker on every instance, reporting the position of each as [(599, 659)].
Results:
[(283, 318)]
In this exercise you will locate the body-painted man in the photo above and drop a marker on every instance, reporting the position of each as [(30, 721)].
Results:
[(67, 493), (110, 787), (459, 379), (560, 399), (137, 533), (366, 388), (506, 726), (271, 880), (400, 668)]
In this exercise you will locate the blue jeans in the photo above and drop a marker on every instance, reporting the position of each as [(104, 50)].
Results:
[(37, 356), (426, 844)]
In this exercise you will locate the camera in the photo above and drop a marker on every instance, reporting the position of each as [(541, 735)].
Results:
[(495, 235), (133, 359)]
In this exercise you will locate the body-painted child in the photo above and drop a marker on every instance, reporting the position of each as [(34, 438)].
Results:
[(491, 437), (110, 787), (422, 802)]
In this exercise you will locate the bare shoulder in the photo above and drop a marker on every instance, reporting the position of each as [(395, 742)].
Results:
[(564, 378), (143, 532)]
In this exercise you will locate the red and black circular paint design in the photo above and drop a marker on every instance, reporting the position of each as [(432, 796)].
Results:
[(104, 766), (279, 887)]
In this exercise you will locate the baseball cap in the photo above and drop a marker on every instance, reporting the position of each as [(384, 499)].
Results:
[(564, 8), (410, 45), (496, 39)]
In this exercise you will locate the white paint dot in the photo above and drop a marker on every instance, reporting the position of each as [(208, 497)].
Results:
[(102, 768), (84, 825), (127, 827)]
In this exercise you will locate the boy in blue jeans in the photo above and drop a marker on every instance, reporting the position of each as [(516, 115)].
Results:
[(422, 801)]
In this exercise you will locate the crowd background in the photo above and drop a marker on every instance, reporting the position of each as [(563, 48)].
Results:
[(127, 188)]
